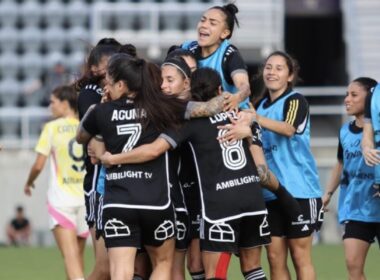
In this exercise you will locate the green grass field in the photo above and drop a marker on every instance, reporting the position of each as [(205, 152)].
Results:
[(46, 263)]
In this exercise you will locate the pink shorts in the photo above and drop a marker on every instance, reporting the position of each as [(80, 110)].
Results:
[(69, 218)]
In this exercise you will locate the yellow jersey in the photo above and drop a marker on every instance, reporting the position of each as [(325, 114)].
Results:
[(57, 140)]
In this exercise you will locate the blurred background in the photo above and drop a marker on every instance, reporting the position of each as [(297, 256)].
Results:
[(43, 43)]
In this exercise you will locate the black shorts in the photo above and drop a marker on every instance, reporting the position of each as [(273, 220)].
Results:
[(182, 227), (281, 225), (124, 227), (362, 231), (89, 186), (230, 236), (99, 215)]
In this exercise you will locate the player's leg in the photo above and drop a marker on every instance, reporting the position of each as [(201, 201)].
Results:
[(300, 237), (357, 239), (68, 245), (143, 266), (158, 236), (194, 260), (277, 250), (122, 261), (254, 233), (181, 244)]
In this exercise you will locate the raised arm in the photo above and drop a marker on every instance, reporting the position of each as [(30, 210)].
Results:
[(241, 81), (205, 109), (370, 153)]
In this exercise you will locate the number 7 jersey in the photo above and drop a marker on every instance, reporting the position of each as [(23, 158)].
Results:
[(57, 140)]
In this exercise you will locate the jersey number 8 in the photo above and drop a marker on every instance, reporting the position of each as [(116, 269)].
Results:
[(233, 153)]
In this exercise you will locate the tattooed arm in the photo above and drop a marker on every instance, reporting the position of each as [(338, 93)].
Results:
[(267, 178), (205, 109)]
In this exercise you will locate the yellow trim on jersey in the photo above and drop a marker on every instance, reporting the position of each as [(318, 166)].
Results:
[(292, 112)]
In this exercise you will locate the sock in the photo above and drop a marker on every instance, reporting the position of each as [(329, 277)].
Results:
[(289, 203), (137, 277), (255, 274), (200, 275)]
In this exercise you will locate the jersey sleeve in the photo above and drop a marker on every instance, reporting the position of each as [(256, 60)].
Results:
[(44, 143), (256, 134), (233, 63), (367, 109), (296, 109), (90, 94), (90, 123)]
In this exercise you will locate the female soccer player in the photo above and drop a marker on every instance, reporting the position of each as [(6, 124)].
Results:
[(371, 133), (65, 195), (90, 87), (359, 207), (233, 211), (284, 115), (213, 50)]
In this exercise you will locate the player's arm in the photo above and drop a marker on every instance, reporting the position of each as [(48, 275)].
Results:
[(241, 81), (212, 107), (139, 154), (296, 109), (370, 153), (83, 136), (36, 169)]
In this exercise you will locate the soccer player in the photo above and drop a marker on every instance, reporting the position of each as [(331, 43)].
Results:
[(213, 50), (371, 133), (90, 87), (359, 205), (233, 210), (65, 195), (284, 116)]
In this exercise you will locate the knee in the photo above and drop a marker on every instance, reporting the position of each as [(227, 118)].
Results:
[(352, 264)]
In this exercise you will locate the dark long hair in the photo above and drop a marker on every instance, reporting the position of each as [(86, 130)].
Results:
[(105, 47), (205, 83), (366, 82), (140, 77), (230, 10)]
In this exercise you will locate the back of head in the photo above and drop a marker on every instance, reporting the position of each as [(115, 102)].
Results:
[(67, 93), (205, 84), (141, 78)]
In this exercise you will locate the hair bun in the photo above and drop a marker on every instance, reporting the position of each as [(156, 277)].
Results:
[(128, 49), (232, 8), (108, 42)]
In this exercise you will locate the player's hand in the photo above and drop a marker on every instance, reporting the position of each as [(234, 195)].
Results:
[(371, 156), (325, 201), (106, 159), (231, 101), (28, 189), (234, 131)]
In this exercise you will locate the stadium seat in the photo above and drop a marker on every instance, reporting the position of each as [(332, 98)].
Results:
[(75, 61), (8, 39), (9, 64), (54, 13), (31, 13), (54, 39), (8, 13), (9, 92), (31, 39), (9, 124), (31, 64), (77, 12), (53, 58), (78, 38)]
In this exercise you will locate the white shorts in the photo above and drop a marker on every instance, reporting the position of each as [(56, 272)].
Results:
[(69, 218)]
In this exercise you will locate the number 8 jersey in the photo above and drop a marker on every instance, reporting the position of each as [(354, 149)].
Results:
[(66, 162), (227, 176)]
